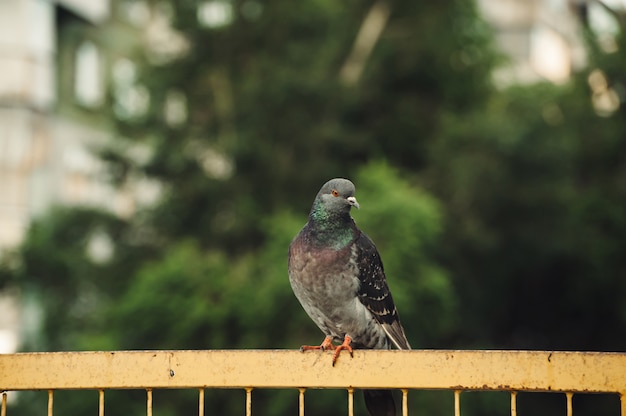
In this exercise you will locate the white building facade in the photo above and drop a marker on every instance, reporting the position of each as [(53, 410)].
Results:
[(54, 70), (52, 97)]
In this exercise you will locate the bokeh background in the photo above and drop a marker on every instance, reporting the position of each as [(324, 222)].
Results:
[(157, 157)]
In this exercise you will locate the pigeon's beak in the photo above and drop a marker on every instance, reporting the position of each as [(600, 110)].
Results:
[(352, 201)]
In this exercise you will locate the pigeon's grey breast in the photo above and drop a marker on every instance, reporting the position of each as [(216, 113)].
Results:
[(326, 282)]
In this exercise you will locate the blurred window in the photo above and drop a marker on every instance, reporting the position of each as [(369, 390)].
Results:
[(88, 80)]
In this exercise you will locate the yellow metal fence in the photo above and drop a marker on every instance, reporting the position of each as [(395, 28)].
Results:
[(568, 373)]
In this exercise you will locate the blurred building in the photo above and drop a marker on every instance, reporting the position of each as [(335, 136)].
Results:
[(58, 60), (65, 65), (541, 38)]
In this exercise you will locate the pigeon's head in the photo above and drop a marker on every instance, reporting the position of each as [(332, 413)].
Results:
[(337, 196)]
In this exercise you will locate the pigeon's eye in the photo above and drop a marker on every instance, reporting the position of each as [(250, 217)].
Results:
[(334, 192)]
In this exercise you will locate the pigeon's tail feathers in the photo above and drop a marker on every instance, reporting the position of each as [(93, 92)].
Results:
[(379, 402), (396, 334)]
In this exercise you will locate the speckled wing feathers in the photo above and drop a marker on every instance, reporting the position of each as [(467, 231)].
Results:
[(374, 292)]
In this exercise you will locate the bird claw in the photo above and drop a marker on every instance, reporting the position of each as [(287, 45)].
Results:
[(328, 345), (344, 346)]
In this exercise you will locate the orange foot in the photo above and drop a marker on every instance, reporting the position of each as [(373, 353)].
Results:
[(344, 346), (328, 345)]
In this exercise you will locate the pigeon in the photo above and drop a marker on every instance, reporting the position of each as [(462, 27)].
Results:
[(337, 274)]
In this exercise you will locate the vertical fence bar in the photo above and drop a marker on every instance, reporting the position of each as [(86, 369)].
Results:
[(200, 402), (350, 402), (149, 402), (622, 399), (513, 403), (50, 402), (3, 412), (248, 401), (569, 396), (457, 402), (100, 402), (405, 402), (301, 401)]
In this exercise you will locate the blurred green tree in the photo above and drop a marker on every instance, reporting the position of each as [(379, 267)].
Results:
[(533, 191)]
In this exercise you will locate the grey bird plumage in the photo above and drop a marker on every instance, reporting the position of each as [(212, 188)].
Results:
[(337, 274)]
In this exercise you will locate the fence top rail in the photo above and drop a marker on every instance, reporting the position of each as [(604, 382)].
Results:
[(592, 372)]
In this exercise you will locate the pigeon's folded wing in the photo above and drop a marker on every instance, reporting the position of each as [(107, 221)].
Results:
[(374, 292)]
